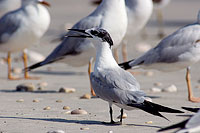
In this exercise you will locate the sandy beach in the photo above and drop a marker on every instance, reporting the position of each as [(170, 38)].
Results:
[(26, 116)]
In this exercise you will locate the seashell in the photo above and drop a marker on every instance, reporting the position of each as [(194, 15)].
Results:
[(59, 101), (158, 84), (20, 100), (171, 88), (67, 90), (86, 96), (36, 101), (149, 122), (47, 108), (25, 87), (84, 128), (155, 90), (124, 116), (78, 112), (66, 107)]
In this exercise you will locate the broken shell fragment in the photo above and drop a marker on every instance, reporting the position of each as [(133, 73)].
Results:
[(86, 96), (84, 128), (171, 88), (149, 122), (124, 116), (67, 90), (26, 87), (155, 90), (78, 112), (66, 107), (20, 100), (59, 101), (36, 101), (47, 108)]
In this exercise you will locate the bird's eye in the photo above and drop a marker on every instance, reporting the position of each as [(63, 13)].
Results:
[(94, 32)]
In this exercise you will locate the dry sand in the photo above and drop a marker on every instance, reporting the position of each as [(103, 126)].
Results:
[(29, 117)]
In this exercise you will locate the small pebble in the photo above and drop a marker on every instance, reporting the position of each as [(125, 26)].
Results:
[(155, 90), (198, 86), (36, 101), (149, 122), (124, 116), (57, 131), (67, 90), (171, 88), (17, 70), (158, 84), (110, 132), (149, 73), (86, 96), (26, 87), (67, 112), (78, 112), (84, 128), (2, 61), (59, 101), (42, 85), (47, 108), (20, 100), (66, 108)]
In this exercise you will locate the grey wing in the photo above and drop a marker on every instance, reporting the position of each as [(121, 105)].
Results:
[(110, 86), (9, 24), (73, 46), (194, 121), (170, 48)]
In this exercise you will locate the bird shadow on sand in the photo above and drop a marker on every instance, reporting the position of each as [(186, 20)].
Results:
[(60, 73), (43, 91), (84, 122)]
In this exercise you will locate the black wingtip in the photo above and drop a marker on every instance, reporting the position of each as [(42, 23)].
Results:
[(32, 67), (125, 65), (178, 125), (165, 109), (155, 109), (195, 110)]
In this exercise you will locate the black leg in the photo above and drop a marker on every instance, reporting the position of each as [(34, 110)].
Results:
[(122, 112), (111, 116)]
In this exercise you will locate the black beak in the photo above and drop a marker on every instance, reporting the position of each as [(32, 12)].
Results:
[(83, 35)]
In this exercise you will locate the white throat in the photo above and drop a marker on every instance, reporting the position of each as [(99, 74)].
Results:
[(104, 58)]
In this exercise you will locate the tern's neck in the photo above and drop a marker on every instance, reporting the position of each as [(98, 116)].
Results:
[(198, 17), (104, 58)]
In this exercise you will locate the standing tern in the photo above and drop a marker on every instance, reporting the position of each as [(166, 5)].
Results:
[(22, 28), (110, 15), (191, 125), (178, 51), (113, 84), (8, 5)]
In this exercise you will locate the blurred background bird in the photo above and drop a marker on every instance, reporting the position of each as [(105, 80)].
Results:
[(8, 5), (110, 15), (177, 51), (22, 28)]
